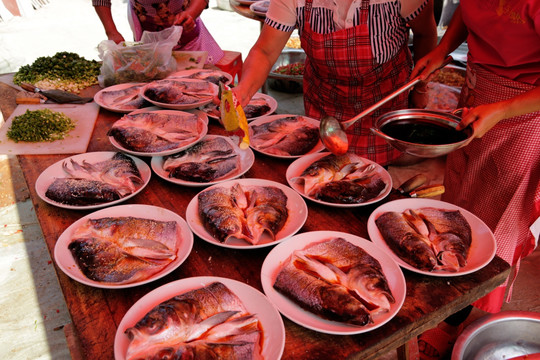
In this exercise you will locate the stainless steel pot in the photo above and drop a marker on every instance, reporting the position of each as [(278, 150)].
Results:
[(505, 335), (447, 121)]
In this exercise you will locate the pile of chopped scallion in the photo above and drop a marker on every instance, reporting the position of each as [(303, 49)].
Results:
[(40, 125)]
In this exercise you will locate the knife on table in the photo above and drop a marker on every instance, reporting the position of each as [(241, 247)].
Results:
[(58, 96)]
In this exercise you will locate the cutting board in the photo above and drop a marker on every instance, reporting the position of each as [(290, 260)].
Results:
[(75, 142)]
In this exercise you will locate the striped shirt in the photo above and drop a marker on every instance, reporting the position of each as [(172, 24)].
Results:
[(387, 23)]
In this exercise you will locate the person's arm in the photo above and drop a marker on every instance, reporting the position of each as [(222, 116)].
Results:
[(259, 62), (187, 17), (454, 36), (105, 15), (424, 31), (484, 117)]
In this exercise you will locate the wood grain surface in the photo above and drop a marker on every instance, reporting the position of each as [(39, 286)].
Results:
[(96, 313)]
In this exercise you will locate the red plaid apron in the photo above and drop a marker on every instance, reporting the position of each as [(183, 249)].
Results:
[(497, 177), (341, 79)]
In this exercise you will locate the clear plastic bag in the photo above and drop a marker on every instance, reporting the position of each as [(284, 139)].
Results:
[(442, 97), (146, 60)]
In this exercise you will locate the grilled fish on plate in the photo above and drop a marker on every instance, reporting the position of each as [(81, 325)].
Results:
[(210, 75), (157, 132), (427, 238), (333, 282), (121, 98), (432, 237), (180, 93), (243, 212), (284, 135), (346, 180), (201, 318), (123, 246), (92, 179), (246, 213)]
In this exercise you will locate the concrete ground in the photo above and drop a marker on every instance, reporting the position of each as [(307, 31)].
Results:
[(32, 309)]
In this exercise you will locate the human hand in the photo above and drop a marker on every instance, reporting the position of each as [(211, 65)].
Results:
[(418, 98), (481, 118), (116, 37), (427, 67), (185, 20)]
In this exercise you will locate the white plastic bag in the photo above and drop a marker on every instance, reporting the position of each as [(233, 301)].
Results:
[(146, 60)]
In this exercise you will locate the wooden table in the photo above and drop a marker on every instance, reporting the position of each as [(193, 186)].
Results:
[(96, 313)]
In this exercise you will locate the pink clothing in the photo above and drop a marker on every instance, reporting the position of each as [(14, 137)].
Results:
[(156, 15), (497, 177), (511, 45)]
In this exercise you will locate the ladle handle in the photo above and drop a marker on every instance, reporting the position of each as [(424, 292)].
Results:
[(384, 100)]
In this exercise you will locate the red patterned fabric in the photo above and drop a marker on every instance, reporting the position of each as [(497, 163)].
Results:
[(497, 177), (341, 79)]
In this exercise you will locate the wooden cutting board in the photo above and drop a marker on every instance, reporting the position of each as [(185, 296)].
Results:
[(75, 142)]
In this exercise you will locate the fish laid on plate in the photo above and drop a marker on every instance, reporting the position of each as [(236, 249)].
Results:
[(95, 183), (208, 160), (156, 131), (124, 250), (336, 280), (255, 108), (128, 98), (213, 76), (429, 239), (243, 213), (176, 91), (287, 136), (347, 179), (210, 322)]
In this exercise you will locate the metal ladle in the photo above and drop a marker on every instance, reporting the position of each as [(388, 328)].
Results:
[(332, 131)]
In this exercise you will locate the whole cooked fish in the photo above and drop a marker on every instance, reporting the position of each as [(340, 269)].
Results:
[(288, 136), (176, 91), (94, 183), (212, 76), (336, 280), (210, 322), (429, 239), (156, 131), (123, 250), (333, 168), (245, 214), (256, 107), (349, 191), (128, 98), (208, 160)]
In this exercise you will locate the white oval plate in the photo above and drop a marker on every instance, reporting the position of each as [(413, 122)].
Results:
[(203, 125), (54, 171), (297, 207), (98, 97), (65, 261), (247, 158), (299, 165), (246, 2), (260, 7), (184, 74), (269, 100), (273, 342), (279, 254), (194, 105), (265, 119), (483, 245)]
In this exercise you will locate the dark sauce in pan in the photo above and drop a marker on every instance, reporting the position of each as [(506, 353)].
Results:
[(423, 132)]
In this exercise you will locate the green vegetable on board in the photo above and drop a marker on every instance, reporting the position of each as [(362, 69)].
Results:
[(40, 125)]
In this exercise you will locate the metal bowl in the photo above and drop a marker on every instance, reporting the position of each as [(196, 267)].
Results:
[(440, 123), (504, 335), (287, 83)]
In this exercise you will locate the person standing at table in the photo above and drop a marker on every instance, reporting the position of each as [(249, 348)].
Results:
[(356, 54), (157, 15), (497, 175)]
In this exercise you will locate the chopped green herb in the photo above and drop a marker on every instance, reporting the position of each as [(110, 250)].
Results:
[(40, 125)]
